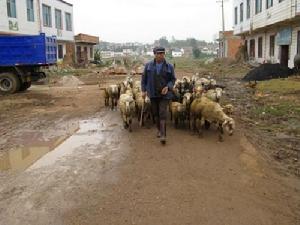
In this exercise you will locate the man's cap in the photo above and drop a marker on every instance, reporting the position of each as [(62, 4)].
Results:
[(159, 50)]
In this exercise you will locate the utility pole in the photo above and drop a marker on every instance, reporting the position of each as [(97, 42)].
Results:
[(223, 26)]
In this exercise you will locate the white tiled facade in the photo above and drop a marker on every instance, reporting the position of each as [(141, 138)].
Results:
[(270, 21), (21, 25)]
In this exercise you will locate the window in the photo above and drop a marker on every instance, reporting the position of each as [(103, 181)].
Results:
[(11, 8), (298, 43), (91, 52), (60, 51), (58, 19), (241, 12), (260, 47), (30, 11), (258, 6), (281, 1), (272, 45), (235, 15), (248, 9), (68, 22), (269, 3), (47, 19)]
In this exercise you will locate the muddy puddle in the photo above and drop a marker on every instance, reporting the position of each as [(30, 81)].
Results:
[(86, 132)]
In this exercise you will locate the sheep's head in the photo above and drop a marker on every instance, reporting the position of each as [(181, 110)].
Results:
[(219, 93), (198, 91), (228, 109), (147, 100), (229, 125), (129, 92), (187, 98)]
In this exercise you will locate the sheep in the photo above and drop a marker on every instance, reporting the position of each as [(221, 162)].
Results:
[(185, 86), (136, 88), (127, 109), (197, 92), (187, 101), (113, 92), (228, 109), (143, 106), (176, 91), (214, 94), (204, 109), (178, 113), (106, 97)]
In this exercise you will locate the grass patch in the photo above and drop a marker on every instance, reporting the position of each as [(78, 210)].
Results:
[(282, 109), (281, 86)]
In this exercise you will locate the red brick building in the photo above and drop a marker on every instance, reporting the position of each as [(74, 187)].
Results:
[(229, 45)]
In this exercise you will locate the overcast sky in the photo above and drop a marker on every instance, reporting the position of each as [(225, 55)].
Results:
[(148, 20)]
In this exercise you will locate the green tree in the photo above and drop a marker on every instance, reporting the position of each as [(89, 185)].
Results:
[(196, 53), (163, 42)]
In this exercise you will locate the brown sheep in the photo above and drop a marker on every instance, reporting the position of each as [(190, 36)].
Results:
[(204, 109)]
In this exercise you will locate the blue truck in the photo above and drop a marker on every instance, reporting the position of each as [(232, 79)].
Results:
[(21, 60)]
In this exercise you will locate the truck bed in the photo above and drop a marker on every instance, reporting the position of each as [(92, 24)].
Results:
[(27, 50)]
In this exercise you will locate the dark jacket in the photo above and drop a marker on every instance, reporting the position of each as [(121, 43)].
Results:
[(166, 78)]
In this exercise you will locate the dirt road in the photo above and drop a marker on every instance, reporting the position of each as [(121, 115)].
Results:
[(100, 174)]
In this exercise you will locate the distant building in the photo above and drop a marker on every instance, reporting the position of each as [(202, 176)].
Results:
[(228, 45), (107, 54), (177, 53), (31, 17), (85, 47), (271, 29)]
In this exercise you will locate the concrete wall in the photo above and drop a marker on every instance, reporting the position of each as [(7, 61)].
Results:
[(20, 24), (61, 34), (88, 50), (280, 11), (266, 46)]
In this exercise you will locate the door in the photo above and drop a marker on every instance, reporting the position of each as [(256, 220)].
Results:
[(298, 43), (252, 48), (284, 55), (78, 53), (60, 52)]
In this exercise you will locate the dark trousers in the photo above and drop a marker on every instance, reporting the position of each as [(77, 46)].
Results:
[(159, 108)]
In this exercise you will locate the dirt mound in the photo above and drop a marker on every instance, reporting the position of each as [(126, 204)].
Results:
[(70, 81), (268, 71)]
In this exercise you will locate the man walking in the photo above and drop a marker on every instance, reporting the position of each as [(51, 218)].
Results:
[(157, 82)]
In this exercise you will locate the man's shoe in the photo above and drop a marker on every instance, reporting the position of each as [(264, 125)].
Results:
[(158, 134), (163, 140)]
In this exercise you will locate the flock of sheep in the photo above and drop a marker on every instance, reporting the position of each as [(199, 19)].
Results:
[(196, 102)]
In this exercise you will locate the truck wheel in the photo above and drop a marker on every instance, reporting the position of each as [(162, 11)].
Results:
[(9, 83), (24, 86)]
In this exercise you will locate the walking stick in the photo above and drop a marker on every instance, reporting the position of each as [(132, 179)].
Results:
[(142, 113)]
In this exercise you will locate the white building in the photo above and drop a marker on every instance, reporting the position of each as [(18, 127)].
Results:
[(270, 28), (31, 17), (107, 54), (177, 53)]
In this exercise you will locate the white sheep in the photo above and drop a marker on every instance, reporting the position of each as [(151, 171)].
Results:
[(178, 113), (113, 92), (127, 109), (214, 94), (204, 110), (187, 101), (143, 106)]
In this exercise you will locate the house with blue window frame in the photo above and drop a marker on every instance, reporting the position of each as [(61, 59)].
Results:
[(31, 17), (270, 29)]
